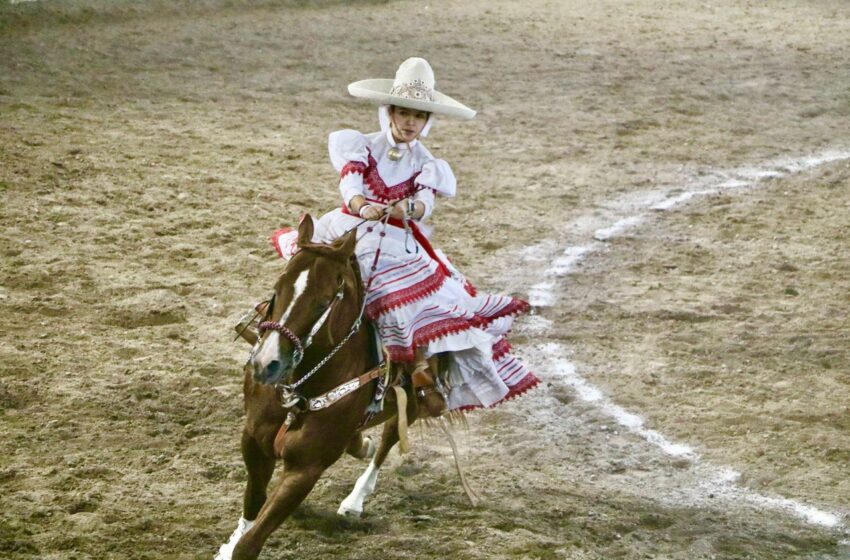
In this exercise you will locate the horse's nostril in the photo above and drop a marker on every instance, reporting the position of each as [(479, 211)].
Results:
[(273, 371)]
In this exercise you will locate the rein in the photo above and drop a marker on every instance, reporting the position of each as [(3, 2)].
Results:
[(290, 336)]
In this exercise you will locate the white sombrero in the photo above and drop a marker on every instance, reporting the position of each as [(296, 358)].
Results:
[(413, 88)]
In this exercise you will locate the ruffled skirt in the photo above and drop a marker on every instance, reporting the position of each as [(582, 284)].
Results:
[(417, 298)]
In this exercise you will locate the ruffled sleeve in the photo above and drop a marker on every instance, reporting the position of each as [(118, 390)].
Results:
[(437, 175), (347, 146), (349, 154), (437, 178)]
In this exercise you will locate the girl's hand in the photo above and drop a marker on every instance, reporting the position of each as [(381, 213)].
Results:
[(370, 212), (399, 209)]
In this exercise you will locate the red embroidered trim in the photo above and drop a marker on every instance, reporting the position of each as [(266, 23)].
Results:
[(376, 184), (427, 334), (274, 239), (529, 382), (379, 188), (352, 167), (501, 349), (439, 329), (396, 299), (515, 307), (470, 289)]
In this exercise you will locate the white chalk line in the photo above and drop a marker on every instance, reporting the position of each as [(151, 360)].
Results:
[(619, 227), (566, 371), (721, 482)]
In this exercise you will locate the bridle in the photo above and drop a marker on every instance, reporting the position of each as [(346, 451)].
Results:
[(299, 345), (289, 396), (284, 331)]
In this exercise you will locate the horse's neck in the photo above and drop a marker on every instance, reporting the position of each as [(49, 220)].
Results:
[(358, 281)]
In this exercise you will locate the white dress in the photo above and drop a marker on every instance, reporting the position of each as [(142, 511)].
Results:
[(415, 297)]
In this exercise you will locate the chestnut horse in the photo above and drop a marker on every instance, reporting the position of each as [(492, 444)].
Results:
[(317, 307)]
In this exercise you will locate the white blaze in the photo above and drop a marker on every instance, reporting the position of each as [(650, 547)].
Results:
[(270, 349), (298, 289)]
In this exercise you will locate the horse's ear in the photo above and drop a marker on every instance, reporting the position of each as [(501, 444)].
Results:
[(305, 231), (346, 249)]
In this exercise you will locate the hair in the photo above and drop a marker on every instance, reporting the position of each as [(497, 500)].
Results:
[(392, 109)]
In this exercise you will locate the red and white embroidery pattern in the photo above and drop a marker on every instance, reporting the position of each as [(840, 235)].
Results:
[(378, 189), (285, 242), (435, 322), (410, 293)]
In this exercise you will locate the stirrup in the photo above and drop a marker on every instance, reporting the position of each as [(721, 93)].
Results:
[(426, 391), (425, 386), (432, 399)]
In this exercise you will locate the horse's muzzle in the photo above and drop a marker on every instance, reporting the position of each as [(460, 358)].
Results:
[(268, 375), (273, 360), (273, 372)]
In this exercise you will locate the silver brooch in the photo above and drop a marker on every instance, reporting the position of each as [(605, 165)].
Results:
[(394, 154)]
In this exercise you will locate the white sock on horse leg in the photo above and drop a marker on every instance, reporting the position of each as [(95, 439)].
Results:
[(225, 552), (363, 488)]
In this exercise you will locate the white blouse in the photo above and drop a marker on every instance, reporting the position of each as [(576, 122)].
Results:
[(365, 169)]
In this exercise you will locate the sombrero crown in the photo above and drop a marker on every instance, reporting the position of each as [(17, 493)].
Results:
[(413, 88)]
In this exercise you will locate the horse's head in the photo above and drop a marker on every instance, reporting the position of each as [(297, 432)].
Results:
[(308, 295)]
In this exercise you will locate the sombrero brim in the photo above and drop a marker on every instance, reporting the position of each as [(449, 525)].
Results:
[(378, 90)]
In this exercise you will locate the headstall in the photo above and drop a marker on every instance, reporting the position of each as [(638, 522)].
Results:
[(298, 353)]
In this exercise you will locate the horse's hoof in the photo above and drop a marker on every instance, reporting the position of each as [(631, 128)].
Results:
[(349, 512), (225, 551)]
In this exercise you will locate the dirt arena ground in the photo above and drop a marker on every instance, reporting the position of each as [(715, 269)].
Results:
[(147, 150)]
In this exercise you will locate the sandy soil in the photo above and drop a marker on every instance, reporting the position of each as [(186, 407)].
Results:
[(147, 150)]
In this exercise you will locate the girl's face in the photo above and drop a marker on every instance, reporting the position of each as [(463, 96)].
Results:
[(406, 124)]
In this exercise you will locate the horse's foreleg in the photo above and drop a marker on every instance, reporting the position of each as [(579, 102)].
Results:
[(296, 482), (260, 468), (352, 505)]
